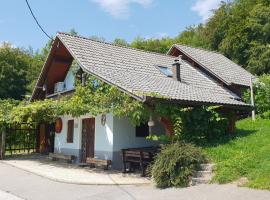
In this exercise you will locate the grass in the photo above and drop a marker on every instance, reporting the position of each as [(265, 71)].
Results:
[(246, 154)]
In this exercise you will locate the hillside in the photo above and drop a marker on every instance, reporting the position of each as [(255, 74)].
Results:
[(246, 155)]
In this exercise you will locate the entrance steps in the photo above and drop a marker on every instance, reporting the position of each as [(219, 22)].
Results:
[(204, 175)]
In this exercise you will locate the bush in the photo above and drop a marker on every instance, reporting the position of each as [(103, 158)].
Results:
[(175, 164), (261, 96), (203, 124)]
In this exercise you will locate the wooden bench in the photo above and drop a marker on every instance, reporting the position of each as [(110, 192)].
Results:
[(141, 156), (99, 162), (58, 156)]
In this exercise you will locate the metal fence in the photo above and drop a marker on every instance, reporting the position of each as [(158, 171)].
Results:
[(21, 138)]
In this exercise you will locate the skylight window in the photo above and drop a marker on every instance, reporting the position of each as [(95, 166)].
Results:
[(165, 70)]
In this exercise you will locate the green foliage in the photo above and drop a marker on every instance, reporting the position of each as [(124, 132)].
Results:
[(15, 67), (120, 42), (261, 90), (240, 30), (203, 124), (96, 98), (259, 61), (246, 154), (163, 138), (155, 45), (194, 124), (175, 164), (262, 94), (6, 106), (38, 111), (194, 36)]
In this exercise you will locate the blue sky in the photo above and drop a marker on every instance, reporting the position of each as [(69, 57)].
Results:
[(104, 18)]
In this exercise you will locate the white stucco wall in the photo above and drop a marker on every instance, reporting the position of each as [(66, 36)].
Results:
[(125, 135), (116, 134), (103, 137), (60, 142)]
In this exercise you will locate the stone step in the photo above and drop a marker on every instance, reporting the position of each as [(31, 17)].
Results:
[(202, 173), (203, 176), (207, 167), (197, 181)]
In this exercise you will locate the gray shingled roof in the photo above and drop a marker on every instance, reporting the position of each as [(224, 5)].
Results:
[(218, 64), (135, 71)]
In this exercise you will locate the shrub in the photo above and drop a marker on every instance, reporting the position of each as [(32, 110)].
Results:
[(261, 95), (202, 124), (175, 164)]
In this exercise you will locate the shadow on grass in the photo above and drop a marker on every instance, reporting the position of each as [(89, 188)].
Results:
[(239, 133)]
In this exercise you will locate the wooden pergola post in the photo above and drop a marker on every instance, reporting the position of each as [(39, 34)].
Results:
[(252, 99), (2, 144)]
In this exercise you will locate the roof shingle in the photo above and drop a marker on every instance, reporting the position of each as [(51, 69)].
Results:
[(135, 71), (218, 65)]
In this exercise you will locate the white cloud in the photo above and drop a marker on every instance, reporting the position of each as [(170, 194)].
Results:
[(204, 8), (120, 8)]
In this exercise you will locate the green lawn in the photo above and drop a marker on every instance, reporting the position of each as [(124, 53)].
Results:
[(245, 155)]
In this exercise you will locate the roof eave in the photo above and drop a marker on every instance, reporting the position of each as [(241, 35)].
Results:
[(137, 97), (199, 103), (42, 71)]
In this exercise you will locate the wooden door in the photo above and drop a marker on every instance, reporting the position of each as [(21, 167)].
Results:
[(88, 138), (42, 138)]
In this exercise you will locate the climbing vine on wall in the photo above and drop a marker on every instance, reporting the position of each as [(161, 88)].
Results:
[(97, 97)]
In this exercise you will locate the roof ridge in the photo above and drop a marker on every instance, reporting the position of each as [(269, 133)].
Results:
[(212, 51), (108, 43), (200, 48)]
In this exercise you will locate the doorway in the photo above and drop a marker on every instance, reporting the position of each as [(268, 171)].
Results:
[(88, 138)]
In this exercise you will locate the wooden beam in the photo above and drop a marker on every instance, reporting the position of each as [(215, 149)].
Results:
[(3, 144), (62, 60), (252, 99)]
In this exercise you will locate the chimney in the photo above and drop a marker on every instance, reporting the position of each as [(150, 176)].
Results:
[(176, 69)]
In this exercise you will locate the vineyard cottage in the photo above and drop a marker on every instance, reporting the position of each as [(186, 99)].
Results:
[(186, 75)]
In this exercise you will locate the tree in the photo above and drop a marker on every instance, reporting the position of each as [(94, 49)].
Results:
[(156, 45), (15, 64), (259, 58), (120, 42), (193, 36), (241, 31)]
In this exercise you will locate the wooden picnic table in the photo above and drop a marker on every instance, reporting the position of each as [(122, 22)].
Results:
[(142, 156)]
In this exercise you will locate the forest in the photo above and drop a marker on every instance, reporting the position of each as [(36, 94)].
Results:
[(240, 30)]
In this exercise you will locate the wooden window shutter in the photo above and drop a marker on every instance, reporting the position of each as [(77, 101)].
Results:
[(70, 131)]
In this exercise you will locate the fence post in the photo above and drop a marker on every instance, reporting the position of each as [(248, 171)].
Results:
[(3, 144)]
